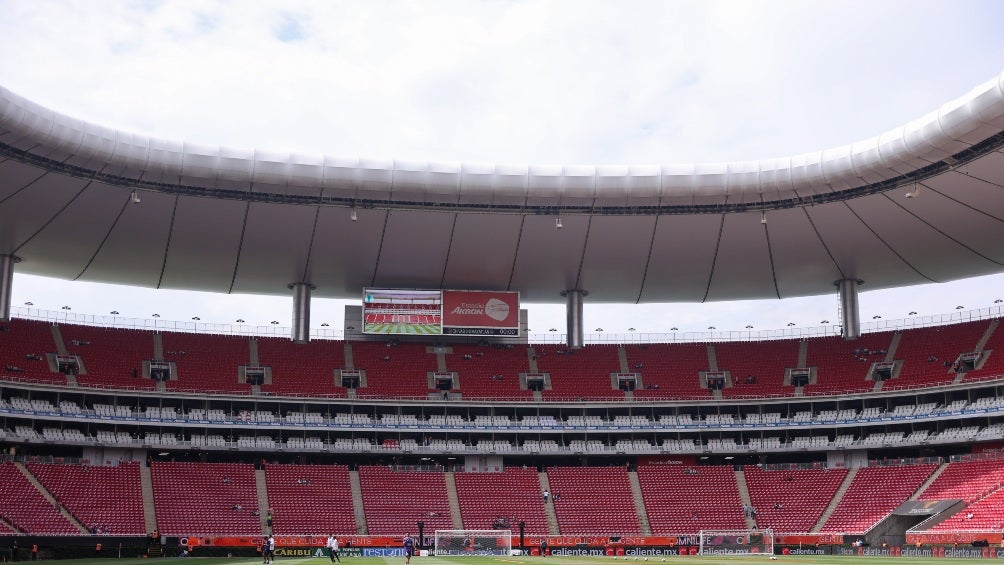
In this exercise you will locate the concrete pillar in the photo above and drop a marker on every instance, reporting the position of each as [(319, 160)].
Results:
[(850, 318), (573, 317), (301, 311), (6, 284)]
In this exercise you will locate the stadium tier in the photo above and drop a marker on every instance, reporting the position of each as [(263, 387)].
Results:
[(217, 498), (669, 457), (111, 357)]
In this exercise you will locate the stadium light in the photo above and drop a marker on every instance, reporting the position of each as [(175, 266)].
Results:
[(196, 318), (240, 321), (114, 312), (674, 329), (29, 303), (912, 314), (998, 301), (825, 322), (791, 324), (275, 323), (749, 327), (959, 307), (631, 329), (155, 315), (599, 329), (324, 324), (553, 330), (876, 317), (67, 308)]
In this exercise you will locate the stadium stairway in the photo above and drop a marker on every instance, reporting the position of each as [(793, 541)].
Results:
[(149, 509), (357, 489), (744, 495), (9, 527), (57, 337), (639, 503), (552, 517), (262, 487), (987, 335), (930, 480), (158, 346), (712, 358), (52, 499), (622, 359), (837, 496), (451, 496)]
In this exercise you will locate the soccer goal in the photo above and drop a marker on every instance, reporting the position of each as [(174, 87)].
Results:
[(473, 542), (737, 542)]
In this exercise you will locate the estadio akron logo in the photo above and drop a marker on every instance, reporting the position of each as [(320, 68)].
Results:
[(471, 312), (496, 309)]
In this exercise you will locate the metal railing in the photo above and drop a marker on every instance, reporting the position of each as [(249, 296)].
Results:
[(328, 333)]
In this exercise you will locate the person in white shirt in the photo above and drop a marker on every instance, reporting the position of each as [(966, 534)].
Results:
[(333, 548)]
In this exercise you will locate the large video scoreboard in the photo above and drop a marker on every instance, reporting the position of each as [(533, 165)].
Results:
[(440, 312)]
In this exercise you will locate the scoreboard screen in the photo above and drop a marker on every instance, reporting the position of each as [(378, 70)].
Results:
[(440, 312)]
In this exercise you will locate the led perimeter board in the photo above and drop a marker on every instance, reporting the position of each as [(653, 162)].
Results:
[(440, 312)]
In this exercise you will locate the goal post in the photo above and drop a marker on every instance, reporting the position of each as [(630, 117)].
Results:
[(737, 542), (473, 542)]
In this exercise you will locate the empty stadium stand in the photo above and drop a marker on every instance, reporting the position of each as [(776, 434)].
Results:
[(108, 498), (593, 500), (513, 494), (310, 498), (801, 494), (25, 507), (873, 494), (395, 501), (205, 498), (680, 498)]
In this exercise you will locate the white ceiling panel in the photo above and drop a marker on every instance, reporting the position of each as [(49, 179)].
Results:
[(138, 239), (547, 261), (414, 249), (617, 252), (482, 252), (743, 268), (801, 264), (26, 212), (682, 256), (205, 240), (343, 258), (269, 263)]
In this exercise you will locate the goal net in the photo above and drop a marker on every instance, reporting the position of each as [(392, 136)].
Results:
[(737, 542), (473, 542)]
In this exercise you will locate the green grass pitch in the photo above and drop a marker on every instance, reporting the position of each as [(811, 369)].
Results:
[(406, 329)]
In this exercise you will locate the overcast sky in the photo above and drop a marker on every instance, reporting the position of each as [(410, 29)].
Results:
[(572, 82)]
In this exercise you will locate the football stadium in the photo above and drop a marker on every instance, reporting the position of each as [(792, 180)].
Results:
[(434, 414)]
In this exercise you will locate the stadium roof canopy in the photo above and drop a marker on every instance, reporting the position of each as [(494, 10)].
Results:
[(923, 202)]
